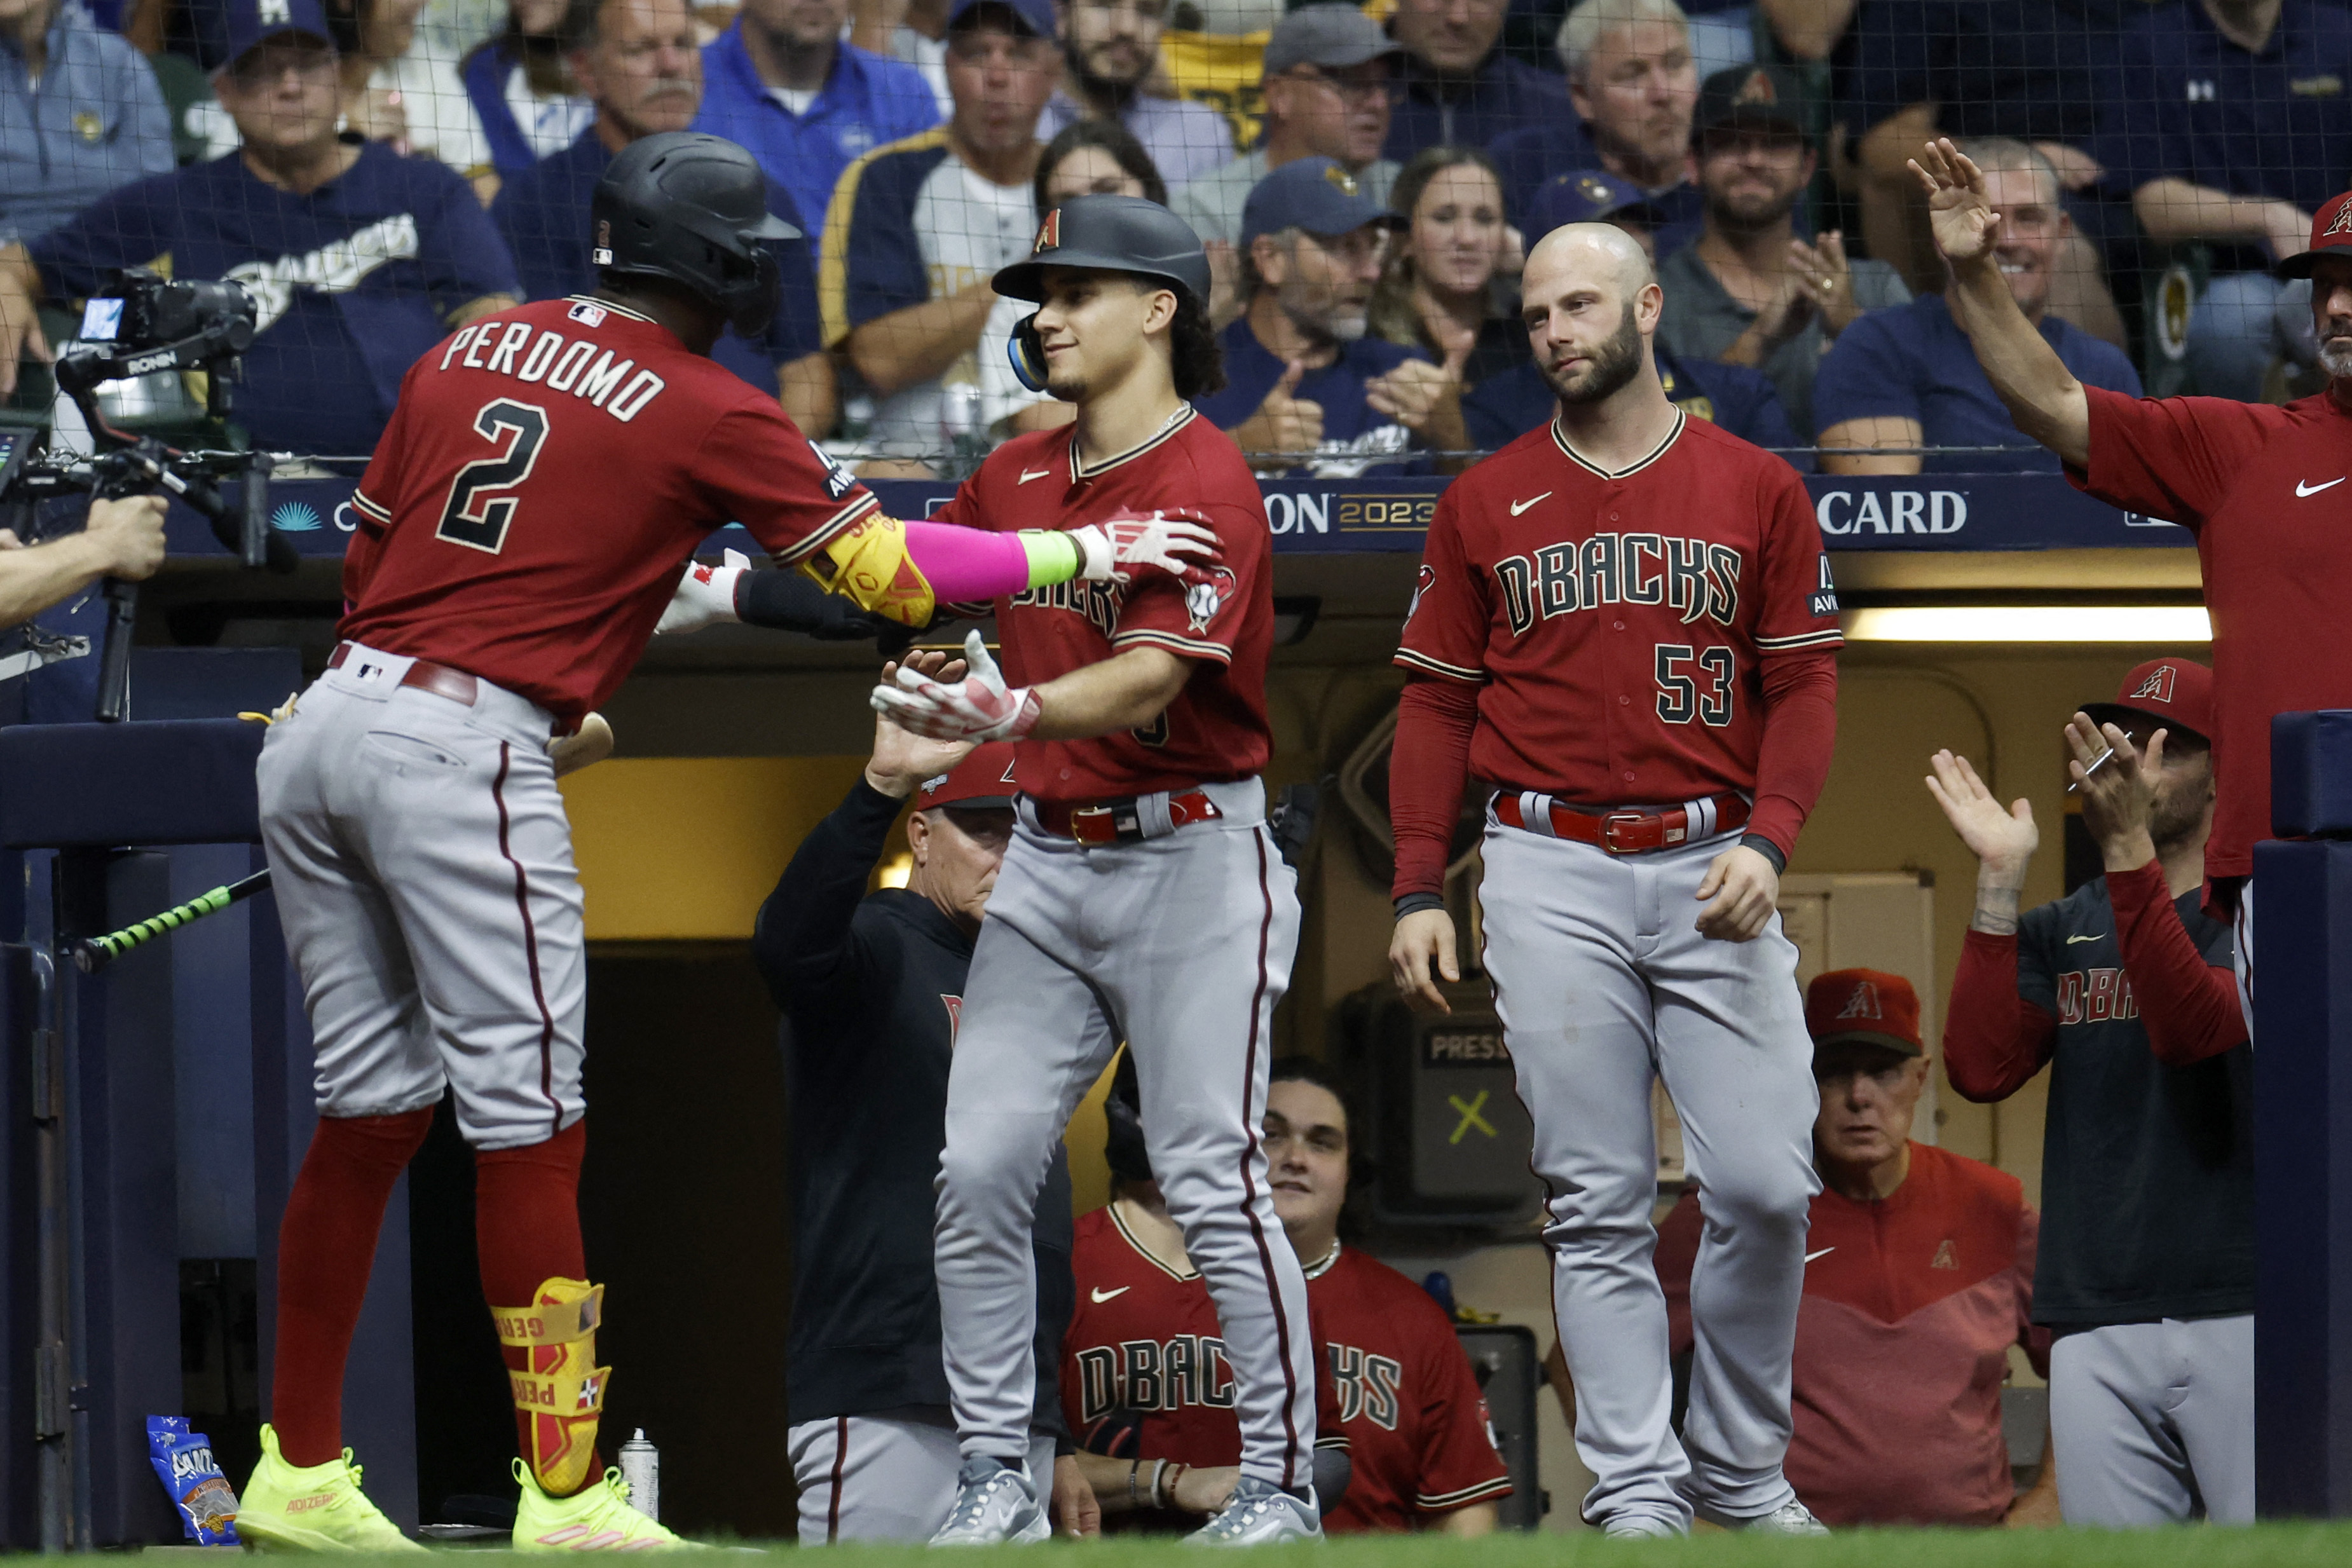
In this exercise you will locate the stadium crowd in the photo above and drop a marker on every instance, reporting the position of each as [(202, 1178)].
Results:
[(1367, 181)]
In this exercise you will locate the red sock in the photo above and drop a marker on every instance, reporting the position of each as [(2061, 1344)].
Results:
[(527, 1227), (325, 1246)]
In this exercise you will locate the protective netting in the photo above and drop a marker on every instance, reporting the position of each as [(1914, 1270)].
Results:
[(378, 171)]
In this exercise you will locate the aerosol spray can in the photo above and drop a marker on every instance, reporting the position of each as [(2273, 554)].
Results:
[(641, 1468)]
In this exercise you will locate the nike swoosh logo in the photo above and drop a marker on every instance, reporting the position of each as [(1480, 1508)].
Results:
[(2302, 489), (1101, 1295), (2093, 937), (1029, 473), (1822, 1253), (1518, 507)]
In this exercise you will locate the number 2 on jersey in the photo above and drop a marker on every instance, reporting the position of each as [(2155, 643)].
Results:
[(1694, 683), (480, 509)]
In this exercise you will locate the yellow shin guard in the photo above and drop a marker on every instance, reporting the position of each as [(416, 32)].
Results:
[(563, 1391)]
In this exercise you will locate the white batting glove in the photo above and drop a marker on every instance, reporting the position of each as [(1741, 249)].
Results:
[(980, 706), (705, 596), (1168, 540)]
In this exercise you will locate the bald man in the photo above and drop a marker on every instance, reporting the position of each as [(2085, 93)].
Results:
[(1625, 630)]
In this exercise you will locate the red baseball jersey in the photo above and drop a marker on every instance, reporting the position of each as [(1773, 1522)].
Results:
[(1619, 623), (2262, 489), (1394, 1383), (1216, 728), (546, 475)]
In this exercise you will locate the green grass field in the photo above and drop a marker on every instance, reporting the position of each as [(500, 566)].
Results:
[(2263, 1546)]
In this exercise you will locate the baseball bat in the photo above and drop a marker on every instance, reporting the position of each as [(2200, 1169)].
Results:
[(92, 954)]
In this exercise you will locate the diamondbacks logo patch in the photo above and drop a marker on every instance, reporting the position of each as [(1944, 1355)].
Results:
[(1947, 1256), (955, 1014), (1863, 1003), (2343, 224), (1427, 581), (2158, 686), (1049, 234), (1205, 601)]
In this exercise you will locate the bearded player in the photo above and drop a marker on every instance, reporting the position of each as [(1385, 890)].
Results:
[(545, 475), (1625, 632), (1141, 895)]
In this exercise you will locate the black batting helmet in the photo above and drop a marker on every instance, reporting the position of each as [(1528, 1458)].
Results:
[(694, 209), (1111, 234)]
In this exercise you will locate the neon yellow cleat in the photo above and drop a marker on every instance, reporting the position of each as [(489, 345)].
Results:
[(318, 1508), (597, 1518)]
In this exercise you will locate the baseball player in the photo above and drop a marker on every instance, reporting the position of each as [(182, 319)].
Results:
[(545, 475), (870, 984), (1143, 1365), (1141, 895), (2260, 486), (1626, 630), (2124, 990)]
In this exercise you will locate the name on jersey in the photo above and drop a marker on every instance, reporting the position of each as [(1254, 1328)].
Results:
[(1191, 1371), (1694, 577), (562, 365), (1099, 602), (2096, 996)]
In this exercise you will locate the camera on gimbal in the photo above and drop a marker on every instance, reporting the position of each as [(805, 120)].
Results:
[(142, 325)]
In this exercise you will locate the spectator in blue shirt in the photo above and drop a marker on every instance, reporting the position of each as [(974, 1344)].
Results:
[(2232, 123), (781, 81), (526, 104), (1302, 378), (1499, 410), (1634, 85), (1905, 376), (1460, 88), (1110, 51), (359, 259), (638, 63), (79, 114)]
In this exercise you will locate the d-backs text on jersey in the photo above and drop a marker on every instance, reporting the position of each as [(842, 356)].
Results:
[(1144, 1375), (562, 365), (1693, 576)]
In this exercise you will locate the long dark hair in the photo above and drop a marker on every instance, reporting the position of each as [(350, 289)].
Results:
[(1196, 361), (1112, 138), (1392, 314)]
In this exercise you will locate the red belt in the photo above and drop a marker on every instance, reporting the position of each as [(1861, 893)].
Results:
[(1119, 822), (426, 676), (1626, 833)]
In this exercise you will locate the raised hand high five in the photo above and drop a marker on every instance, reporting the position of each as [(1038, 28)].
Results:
[(1959, 211)]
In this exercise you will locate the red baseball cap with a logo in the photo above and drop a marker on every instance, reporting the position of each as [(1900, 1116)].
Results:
[(1867, 1005), (2331, 235), (981, 783), (2176, 694)]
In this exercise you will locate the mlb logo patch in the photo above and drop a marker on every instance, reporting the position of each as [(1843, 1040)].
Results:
[(587, 314), (2157, 686)]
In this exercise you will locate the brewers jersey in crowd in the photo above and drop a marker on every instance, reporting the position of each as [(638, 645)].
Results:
[(1215, 730), (1395, 1385), (911, 223)]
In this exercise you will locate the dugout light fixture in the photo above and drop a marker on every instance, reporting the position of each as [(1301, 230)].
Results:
[(2030, 623)]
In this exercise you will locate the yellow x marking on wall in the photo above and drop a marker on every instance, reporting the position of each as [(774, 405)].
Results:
[(1470, 1117)]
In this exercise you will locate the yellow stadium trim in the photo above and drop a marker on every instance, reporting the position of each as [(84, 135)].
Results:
[(833, 261)]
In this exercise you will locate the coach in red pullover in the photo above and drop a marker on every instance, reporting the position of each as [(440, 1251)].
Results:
[(2146, 1271)]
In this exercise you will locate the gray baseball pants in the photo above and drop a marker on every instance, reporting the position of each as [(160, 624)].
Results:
[(1603, 984), (2154, 1423), (887, 1476), (422, 864), (1182, 944)]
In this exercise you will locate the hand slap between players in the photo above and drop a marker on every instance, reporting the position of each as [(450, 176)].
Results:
[(1177, 540), (980, 706)]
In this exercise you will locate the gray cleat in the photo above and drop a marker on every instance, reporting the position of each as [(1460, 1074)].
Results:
[(1791, 1518), (1260, 1514), (995, 1505)]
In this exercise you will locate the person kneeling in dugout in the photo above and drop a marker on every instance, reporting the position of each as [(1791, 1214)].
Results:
[(871, 986), (1143, 1379)]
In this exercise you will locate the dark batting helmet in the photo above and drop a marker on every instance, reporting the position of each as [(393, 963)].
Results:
[(1111, 234), (694, 209)]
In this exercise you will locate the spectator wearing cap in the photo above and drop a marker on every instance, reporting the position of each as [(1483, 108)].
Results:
[(639, 63), (1460, 87), (1906, 377), (2124, 988), (1329, 86), (1499, 410), (1635, 88), (80, 115), (1748, 292), (358, 259), (1110, 50), (919, 227), (870, 984), (1918, 1279), (1303, 382), (1439, 287), (781, 81), (2233, 124)]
